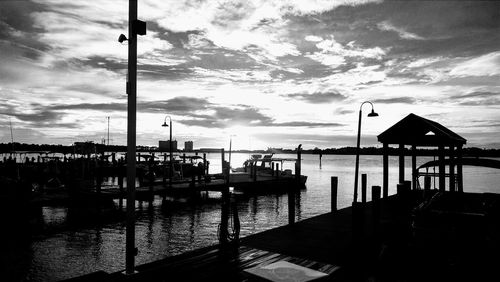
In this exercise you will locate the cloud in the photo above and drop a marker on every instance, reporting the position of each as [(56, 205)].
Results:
[(317, 97), (398, 100), (387, 26), (479, 98), (485, 65)]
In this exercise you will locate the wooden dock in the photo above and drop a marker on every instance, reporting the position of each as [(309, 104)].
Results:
[(262, 184), (393, 239)]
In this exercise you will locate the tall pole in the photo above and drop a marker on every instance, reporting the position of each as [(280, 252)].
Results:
[(356, 170), (171, 156), (130, 250)]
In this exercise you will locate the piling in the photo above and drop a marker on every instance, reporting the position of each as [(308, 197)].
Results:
[(376, 194), (363, 188), (333, 194), (291, 205)]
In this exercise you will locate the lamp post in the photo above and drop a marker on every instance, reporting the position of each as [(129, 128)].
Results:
[(356, 171), (170, 149)]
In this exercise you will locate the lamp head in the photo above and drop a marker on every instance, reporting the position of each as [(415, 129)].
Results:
[(164, 124), (122, 38), (373, 114)]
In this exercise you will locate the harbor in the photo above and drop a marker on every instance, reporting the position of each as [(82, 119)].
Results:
[(233, 140), (172, 229)]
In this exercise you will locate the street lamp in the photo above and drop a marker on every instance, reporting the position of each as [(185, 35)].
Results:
[(170, 148), (356, 171)]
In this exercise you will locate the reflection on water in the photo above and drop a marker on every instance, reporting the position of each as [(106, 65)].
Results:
[(70, 243)]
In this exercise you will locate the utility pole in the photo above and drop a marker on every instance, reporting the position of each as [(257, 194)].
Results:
[(135, 27)]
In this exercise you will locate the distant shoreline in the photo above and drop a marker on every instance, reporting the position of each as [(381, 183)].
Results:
[(100, 148)]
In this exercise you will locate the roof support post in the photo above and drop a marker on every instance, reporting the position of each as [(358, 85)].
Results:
[(452, 169), (460, 183), (414, 167), (442, 180), (386, 170), (401, 163)]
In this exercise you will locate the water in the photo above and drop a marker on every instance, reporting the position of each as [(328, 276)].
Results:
[(71, 246)]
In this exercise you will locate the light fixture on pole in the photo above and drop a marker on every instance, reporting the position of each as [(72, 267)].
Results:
[(170, 149), (356, 170)]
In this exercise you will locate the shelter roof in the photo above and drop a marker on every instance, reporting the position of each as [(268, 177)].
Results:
[(416, 130)]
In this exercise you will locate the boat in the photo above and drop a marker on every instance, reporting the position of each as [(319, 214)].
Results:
[(267, 165)]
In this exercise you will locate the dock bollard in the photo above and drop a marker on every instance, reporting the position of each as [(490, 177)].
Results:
[(334, 186)]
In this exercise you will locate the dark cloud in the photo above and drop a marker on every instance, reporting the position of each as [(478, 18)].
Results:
[(399, 100), (478, 98), (318, 97), (476, 94)]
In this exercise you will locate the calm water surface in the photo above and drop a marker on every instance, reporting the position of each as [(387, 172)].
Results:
[(74, 245)]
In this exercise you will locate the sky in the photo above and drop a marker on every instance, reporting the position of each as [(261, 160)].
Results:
[(259, 73)]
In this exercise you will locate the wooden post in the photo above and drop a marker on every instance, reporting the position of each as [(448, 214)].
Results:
[(401, 163), (223, 232), (320, 157), (376, 207), (334, 187), (442, 181), (205, 164), (385, 181), (278, 172), (98, 180), (298, 169), (427, 183), (120, 179), (363, 188), (459, 169), (291, 205), (414, 167), (452, 169), (254, 171)]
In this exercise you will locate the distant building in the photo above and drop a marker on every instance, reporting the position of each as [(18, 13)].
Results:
[(188, 146), (165, 145)]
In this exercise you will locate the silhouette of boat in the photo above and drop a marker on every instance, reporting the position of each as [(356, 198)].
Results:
[(267, 165)]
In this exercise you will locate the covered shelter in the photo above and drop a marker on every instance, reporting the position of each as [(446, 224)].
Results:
[(416, 131)]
